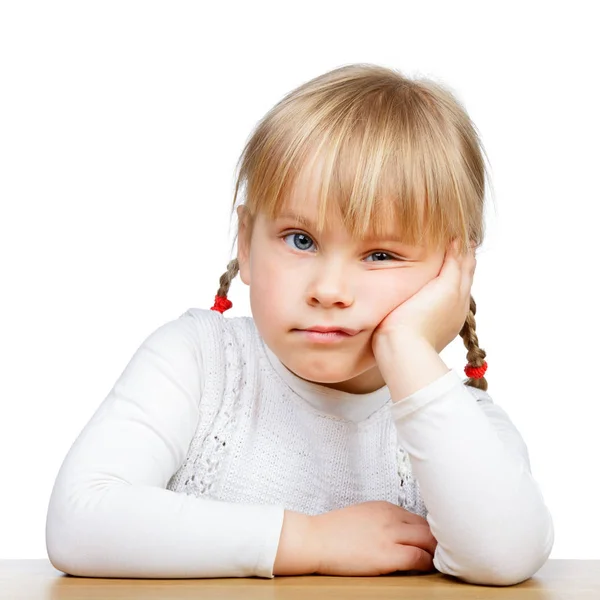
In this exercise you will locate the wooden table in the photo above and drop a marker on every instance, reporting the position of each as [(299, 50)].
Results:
[(39, 580)]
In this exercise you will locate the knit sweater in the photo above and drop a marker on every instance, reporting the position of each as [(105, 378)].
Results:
[(206, 438)]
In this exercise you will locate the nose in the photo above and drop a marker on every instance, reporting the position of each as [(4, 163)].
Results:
[(330, 286)]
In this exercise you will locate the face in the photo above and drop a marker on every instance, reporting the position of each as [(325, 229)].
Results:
[(299, 279)]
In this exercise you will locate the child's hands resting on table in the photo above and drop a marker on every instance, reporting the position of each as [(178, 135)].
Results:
[(371, 538)]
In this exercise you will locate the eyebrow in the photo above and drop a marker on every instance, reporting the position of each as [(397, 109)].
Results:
[(310, 225)]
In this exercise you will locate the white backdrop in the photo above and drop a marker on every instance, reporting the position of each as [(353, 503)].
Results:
[(120, 126)]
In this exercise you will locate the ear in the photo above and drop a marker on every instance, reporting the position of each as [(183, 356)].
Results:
[(243, 244)]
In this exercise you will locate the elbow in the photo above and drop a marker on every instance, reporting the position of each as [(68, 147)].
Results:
[(502, 573), (514, 564), (60, 557), (67, 526), (68, 552), (59, 542), (59, 553)]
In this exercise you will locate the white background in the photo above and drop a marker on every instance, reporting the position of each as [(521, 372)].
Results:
[(120, 126)]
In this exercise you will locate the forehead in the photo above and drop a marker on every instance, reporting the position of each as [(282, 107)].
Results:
[(300, 206)]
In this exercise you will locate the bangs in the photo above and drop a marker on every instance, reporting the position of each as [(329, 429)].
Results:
[(387, 158)]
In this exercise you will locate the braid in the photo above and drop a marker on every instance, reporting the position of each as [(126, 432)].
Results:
[(475, 355), (221, 302), (225, 280)]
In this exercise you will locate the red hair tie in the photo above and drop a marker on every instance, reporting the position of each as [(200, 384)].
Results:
[(476, 372), (221, 303)]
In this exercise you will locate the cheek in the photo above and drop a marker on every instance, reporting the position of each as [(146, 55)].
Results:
[(396, 289), (270, 287)]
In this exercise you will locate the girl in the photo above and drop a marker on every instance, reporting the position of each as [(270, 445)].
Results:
[(324, 434)]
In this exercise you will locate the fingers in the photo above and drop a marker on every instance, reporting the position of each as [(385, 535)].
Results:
[(416, 535), (453, 264), (466, 265), (459, 270), (408, 517), (411, 558)]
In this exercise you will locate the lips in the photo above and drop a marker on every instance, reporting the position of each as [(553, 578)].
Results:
[(324, 329)]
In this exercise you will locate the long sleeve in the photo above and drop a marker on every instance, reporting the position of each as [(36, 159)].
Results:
[(109, 513), (484, 507)]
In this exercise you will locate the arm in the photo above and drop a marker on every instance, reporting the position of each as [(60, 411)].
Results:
[(297, 553), (109, 513), (484, 507)]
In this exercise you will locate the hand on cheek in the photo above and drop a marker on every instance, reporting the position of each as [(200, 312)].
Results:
[(437, 312)]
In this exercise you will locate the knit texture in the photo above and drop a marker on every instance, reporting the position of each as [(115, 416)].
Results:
[(258, 441)]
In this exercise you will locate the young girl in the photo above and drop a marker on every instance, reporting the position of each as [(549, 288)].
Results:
[(264, 445)]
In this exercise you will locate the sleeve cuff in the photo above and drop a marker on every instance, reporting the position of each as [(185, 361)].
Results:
[(268, 553), (430, 392)]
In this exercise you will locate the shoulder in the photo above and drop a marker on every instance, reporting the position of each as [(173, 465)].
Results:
[(202, 316), (183, 335), (205, 318), (478, 394), (214, 329), (501, 423)]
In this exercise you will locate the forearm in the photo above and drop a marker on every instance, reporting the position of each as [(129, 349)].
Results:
[(408, 365), (109, 529), (484, 507)]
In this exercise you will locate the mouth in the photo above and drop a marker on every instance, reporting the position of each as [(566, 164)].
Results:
[(332, 335), (322, 329)]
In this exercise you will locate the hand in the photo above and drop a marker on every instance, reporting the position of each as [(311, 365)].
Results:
[(438, 311), (371, 538)]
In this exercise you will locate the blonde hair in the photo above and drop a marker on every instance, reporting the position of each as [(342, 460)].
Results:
[(394, 149)]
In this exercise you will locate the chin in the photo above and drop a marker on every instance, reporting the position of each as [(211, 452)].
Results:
[(334, 380), (320, 375)]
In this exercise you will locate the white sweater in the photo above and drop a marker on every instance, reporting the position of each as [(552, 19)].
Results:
[(186, 467)]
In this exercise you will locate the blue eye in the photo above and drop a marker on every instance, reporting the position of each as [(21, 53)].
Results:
[(305, 241), (382, 254), (299, 235)]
